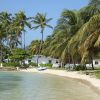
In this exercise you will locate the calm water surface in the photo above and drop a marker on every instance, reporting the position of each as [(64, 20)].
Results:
[(35, 86)]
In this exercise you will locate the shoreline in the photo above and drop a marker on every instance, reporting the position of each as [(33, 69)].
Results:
[(90, 81)]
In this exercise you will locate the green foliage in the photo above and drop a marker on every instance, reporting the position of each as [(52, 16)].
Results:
[(76, 36), (11, 28), (18, 54), (79, 67), (34, 47), (33, 64), (41, 22), (24, 66), (46, 65), (97, 74), (11, 64)]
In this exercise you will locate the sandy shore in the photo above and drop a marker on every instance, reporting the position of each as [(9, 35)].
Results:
[(75, 75)]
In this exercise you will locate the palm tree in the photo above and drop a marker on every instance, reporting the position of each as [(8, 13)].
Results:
[(5, 20), (87, 12), (34, 47), (94, 2), (76, 37), (67, 27), (20, 22), (91, 42), (41, 22)]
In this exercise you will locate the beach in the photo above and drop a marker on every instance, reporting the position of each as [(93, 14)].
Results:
[(87, 79)]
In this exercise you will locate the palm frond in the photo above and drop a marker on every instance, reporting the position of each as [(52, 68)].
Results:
[(49, 26), (36, 27)]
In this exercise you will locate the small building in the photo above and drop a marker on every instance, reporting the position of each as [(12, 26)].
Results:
[(40, 59), (27, 61)]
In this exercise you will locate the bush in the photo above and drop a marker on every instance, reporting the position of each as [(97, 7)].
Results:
[(79, 67), (24, 66), (97, 74), (46, 65), (11, 64), (33, 64)]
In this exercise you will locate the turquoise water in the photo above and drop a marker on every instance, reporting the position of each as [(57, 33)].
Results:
[(35, 86)]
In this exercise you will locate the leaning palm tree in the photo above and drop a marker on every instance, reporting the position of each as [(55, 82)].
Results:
[(87, 12), (41, 22), (67, 27), (92, 41)]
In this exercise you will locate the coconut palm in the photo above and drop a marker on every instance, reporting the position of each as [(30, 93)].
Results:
[(56, 44), (94, 2), (41, 21), (72, 34), (93, 8), (46, 45), (20, 21), (68, 25), (92, 40), (34, 47), (5, 19)]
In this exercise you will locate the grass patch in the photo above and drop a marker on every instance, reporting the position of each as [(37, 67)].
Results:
[(11, 64), (33, 64), (97, 73), (46, 65)]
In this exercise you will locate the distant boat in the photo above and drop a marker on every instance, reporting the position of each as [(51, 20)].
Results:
[(41, 68)]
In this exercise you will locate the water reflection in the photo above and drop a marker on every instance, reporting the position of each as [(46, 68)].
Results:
[(34, 86)]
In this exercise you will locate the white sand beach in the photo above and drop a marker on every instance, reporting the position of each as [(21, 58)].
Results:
[(75, 75)]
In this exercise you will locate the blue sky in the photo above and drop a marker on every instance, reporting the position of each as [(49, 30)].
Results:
[(53, 8)]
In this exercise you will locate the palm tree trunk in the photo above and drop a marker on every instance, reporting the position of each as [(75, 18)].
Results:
[(91, 59), (92, 62), (37, 60), (0, 51), (42, 38), (1, 55), (41, 42), (73, 61), (40, 49), (24, 40), (61, 63), (21, 42), (69, 62)]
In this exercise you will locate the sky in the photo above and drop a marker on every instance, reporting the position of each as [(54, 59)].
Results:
[(52, 8)]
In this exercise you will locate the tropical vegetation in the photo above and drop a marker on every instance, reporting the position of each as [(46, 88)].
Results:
[(75, 38)]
